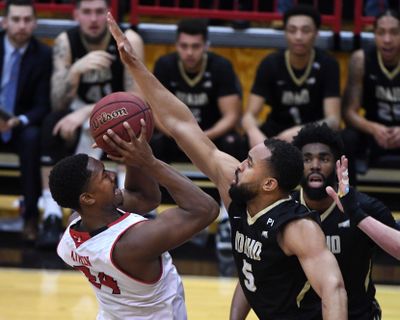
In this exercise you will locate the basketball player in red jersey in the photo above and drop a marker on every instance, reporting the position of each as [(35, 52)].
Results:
[(124, 256), (86, 67)]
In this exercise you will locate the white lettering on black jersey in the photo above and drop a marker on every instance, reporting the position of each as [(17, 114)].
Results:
[(250, 247), (388, 94), (296, 97), (333, 243)]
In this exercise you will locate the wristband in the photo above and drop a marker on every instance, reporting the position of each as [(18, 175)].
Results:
[(352, 207)]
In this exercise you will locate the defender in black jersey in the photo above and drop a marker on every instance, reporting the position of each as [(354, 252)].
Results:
[(346, 234), (206, 83), (276, 243), (86, 67), (300, 83), (374, 85)]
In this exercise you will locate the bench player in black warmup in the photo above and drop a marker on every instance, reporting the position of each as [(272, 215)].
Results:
[(276, 243), (351, 236), (300, 83), (86, 67), (206, 83), (374, 85)]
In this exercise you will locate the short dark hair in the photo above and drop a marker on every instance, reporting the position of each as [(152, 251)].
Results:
[(286, 162), (303, 10), (320, 133), (68, 180), (387, 13), (193, 27), (19, 3)]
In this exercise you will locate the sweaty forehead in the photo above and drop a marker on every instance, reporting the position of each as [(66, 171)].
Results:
[(94, 166), (259, 152), (316, 148)]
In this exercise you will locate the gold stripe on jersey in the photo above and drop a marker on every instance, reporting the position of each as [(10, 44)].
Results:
[(366, 282), (251, 220), (389, 74), (327, 211), (302, 293), (196, 79), (303, 78)]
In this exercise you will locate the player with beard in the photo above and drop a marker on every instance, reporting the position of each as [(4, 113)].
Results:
[(351, 236), (277, 245), (86, 67)]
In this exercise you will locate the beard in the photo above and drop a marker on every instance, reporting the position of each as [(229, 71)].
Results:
[(241, 194), (96, 39), (318, 193)]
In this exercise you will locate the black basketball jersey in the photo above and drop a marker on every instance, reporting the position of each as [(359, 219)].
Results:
[(381, 90), (200, 92), (96, 84), (272, 282), (353, 250), (295, 96)]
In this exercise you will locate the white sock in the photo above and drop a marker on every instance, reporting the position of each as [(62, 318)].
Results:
[(50, 206)]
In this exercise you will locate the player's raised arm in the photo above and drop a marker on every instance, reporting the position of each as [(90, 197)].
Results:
[(177, 119)]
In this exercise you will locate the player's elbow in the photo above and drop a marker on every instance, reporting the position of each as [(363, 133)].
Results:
[(396, 250), (334, 289), (208, 209)]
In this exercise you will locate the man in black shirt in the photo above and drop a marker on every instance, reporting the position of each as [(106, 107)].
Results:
[(86, 67), (351, 235), (206, 83), (374, 85), (276, 243), (300, 83)]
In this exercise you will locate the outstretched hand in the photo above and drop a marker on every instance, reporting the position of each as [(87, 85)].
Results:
[(127, 53), (136, 152), (343, 179)]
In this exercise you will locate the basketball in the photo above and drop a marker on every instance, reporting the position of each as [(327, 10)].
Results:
[(110, 113)]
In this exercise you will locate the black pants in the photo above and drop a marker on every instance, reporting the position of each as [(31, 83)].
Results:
[(25, 142), (55, 148)]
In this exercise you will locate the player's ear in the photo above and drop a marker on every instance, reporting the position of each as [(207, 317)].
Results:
[(269, 184), (86, 199)]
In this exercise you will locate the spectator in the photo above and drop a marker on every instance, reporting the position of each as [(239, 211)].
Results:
[(24, 96), (86, 68), (352, 235), (123, 255), (300, 84), (207, 83), (373, 84)]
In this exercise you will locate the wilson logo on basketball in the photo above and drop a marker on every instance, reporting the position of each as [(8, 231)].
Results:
[(106, 117)]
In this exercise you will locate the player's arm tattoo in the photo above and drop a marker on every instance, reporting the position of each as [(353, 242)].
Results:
[(353, 91), (62, 89)]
